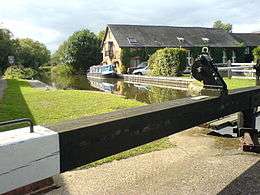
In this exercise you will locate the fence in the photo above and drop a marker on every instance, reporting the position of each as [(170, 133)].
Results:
[(238, 70)]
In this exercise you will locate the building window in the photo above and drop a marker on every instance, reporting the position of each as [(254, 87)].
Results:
[(135, 61), (110, 52), (224, 57), (132, 40), (233, 56), (247, 51), (180, 40)]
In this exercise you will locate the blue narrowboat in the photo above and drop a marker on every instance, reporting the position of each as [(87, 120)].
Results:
[(107, 71)]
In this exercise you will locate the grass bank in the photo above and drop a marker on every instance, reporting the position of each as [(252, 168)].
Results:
[(20, 100), (234, 83), (239, 83)]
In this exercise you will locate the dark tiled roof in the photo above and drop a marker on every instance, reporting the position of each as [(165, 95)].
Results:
[(166, 36), (249, 39)]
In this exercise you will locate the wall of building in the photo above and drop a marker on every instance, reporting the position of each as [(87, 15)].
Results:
[(116, 50)]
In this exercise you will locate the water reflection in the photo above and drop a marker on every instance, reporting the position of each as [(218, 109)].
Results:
[(140, 92)]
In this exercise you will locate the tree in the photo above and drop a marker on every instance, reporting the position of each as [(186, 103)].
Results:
[(32, 53), (7, 47), (81, 50), (101, 35), (221, 25)]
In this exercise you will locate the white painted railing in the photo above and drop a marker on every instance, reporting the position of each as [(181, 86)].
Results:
[(246, 68)]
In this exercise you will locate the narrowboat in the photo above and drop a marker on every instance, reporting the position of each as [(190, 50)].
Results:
[(106, 71)]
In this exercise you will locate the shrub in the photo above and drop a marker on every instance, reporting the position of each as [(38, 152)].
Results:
[(168, 62), (62, 69), (19, 72), (256, 53)]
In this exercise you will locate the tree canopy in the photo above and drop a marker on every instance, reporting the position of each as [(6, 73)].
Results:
[(101, 35), (221, 25), (32, 53), (7, 47), (81, 50)]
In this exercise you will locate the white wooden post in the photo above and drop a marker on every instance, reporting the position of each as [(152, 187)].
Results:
[(229, 70)]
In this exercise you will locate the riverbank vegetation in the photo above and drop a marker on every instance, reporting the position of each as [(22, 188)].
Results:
[(19, 72), (62, 69)]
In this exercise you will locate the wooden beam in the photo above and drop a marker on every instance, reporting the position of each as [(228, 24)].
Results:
[(92, 138)]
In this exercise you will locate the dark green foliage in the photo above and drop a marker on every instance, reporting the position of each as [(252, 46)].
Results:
[(32, 53), (168, 62), (216, 54), (81, 50), (62, 69), (7, 48), (240, 54), (256, 53), (19, 72)]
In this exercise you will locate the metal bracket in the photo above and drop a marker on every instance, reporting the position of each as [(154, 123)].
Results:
[(250, 141), (23, 120)]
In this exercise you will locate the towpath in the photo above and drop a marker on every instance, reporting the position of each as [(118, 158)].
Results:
[(198, 164)]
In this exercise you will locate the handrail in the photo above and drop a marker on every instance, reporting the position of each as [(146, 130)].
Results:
[(22, 120)]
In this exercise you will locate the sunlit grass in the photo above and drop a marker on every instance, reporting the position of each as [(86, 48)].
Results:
[(239, 83), (20, 100)]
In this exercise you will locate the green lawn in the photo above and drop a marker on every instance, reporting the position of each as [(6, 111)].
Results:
[(239, 83), (46, 107), (234, 83)]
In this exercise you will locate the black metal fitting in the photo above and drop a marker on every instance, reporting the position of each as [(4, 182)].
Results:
[(23, 120), (204, 70)]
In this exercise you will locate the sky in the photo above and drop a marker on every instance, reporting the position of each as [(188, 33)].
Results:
[(53, 21)]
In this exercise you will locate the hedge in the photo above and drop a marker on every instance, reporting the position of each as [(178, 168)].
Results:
[(168, 62)]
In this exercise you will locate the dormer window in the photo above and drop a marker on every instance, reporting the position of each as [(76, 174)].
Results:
[(205, 39), (180, 39), (132, 40)]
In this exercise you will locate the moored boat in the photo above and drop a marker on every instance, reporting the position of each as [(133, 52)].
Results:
[(106, 71)]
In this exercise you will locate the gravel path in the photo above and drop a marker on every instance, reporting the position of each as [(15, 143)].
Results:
[(199, 164), (2, 87)]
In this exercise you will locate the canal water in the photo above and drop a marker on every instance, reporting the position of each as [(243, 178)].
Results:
[(140, 92)]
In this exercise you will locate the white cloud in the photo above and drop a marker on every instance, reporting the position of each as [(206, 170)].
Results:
[(51, 22), (24, 29), (246, 28)]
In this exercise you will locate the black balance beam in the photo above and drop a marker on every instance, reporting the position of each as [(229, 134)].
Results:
[(88, 139)]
